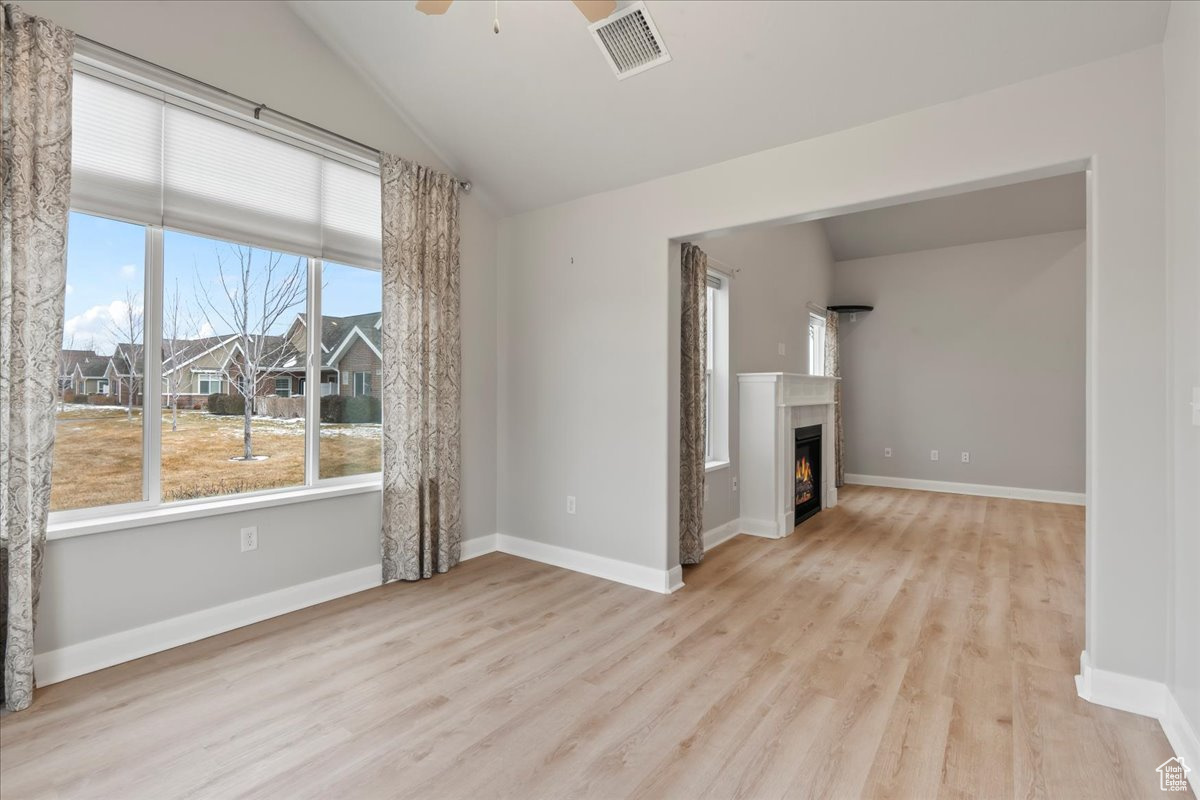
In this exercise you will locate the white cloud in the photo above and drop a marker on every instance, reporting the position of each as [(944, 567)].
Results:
[(128, 271), (70, 288), (205, 330), (99, 326)]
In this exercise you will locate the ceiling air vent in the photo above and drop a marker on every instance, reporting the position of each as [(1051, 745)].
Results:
[(630, 41)]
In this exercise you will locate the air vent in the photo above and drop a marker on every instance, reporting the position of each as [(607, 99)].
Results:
[(630, 41)]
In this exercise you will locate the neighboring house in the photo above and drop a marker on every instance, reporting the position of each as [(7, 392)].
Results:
[(123, 380), (68, 360), (91, 375), (193, 369), (351, 354)]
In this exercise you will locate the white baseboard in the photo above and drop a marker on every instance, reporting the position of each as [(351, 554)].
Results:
[(980, 489), (766, 528), (721, 534), (1122, 692), (1183, 739), (78, 659), (1140, 696), (663, 581), (479, 546)]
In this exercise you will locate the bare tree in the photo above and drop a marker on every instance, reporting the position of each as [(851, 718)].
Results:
[(65, 364), (257, 290), (178, 322), (128, 334)]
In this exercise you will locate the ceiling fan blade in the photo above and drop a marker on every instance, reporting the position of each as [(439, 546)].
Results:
[(595, 10), (433, 7)]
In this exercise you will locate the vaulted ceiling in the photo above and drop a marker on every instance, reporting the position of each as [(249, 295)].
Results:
[(535, 116)]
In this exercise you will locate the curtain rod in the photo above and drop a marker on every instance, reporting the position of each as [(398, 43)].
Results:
[(465, 185)]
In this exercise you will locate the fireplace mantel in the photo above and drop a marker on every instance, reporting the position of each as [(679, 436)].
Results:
[(792, 389), (771, 406)]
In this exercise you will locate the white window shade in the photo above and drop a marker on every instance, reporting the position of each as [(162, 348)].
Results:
[(142, 158), (116, 157), (351, 217), (221, 180)]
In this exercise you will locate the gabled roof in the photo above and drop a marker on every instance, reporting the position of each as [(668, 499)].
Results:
[(94, 367), (69, 359)]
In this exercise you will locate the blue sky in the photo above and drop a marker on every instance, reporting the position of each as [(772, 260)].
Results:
[(106, 264)]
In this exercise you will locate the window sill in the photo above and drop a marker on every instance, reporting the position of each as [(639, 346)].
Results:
[(67, 529), (713, 466)]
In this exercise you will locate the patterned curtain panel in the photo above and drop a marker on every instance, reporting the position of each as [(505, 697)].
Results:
[(692, 402), (833, 366), (422, 515), (35, 59)]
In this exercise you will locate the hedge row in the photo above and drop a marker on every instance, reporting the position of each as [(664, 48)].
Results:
[(335, 408), (227, 404)]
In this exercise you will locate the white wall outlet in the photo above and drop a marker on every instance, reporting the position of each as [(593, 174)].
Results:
[(782, 349), (249, 538), (887, 452), (966, 457), (571, 503), (735, 483), (933, 455)]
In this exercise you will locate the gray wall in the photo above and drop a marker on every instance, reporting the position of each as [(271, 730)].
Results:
[(976, 348), (108, 582), (780, 270), (1182, 68)]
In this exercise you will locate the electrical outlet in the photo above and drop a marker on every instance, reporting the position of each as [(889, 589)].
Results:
[(966, 457), (249, 539), (781, 348), (735, 483), (570, 504), (887, 452), (933, 455)]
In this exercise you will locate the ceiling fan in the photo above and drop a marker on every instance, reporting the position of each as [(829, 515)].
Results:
[(594, 10)]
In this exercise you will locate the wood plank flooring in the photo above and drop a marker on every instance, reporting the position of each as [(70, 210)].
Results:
[(906, 644)]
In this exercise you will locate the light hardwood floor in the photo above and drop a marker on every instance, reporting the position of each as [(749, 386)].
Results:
[(906, 644)]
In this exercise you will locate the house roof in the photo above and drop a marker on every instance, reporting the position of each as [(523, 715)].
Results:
[(71, 358), (178, 353), (334, 331), (94, 366)]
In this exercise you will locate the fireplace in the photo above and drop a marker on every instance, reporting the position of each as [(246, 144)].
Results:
[(808, 472)]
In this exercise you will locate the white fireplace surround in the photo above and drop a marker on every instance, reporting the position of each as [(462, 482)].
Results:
[(771, 406)]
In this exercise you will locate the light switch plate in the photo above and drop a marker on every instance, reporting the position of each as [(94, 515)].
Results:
[(933, 455), (781, 349), (887, 452)]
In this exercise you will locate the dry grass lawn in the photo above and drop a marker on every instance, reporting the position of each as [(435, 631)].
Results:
[(98, 455)]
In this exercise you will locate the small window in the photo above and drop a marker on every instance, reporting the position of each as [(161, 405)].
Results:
[(716, 372), (816, 344), (283, 387), (209, 384), (362, 384), (102, 386)]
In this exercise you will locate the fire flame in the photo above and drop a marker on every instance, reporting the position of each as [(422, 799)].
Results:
[(804, 471)]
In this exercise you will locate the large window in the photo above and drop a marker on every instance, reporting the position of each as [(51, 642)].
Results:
[(188, 348), (233, 340), (351, 348), (98, 442), (716, 438)]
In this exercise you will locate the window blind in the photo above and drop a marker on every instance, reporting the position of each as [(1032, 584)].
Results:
[(143, 158)]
